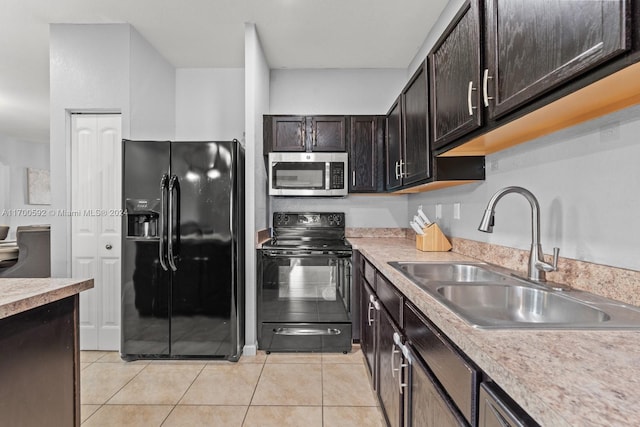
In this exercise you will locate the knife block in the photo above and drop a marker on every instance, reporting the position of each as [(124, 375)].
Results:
[(433, 240)]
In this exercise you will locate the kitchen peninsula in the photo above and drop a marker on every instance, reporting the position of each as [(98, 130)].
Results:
[(40, 361)]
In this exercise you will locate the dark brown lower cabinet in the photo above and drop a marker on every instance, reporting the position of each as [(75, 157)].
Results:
[(389, 372), (368, 325), (39, 366), (424, 403)]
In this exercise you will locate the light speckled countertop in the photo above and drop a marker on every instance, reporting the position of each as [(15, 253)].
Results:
[(18, 295), (561, 378)]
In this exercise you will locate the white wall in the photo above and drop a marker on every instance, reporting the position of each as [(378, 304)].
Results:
[(332, 91), (15, 157), (370, 91), (586, 180), (256, 104), (210, 104), (92, 69), (152, 82)]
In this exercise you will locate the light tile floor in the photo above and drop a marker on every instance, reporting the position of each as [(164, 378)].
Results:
[(280, 389)]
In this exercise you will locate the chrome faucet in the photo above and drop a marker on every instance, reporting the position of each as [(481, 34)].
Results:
[(537, 267)]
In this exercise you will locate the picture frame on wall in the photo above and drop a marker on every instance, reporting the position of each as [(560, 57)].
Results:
[(38, 186)]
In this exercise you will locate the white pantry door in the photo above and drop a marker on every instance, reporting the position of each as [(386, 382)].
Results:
[(96, 222)]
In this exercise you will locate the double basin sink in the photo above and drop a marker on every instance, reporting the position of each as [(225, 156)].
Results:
[(490, 297)]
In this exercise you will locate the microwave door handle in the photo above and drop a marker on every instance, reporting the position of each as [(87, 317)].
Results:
[(163, 221), (327, 176)]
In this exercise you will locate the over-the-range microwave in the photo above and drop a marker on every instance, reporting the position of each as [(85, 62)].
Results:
[(308, 174)]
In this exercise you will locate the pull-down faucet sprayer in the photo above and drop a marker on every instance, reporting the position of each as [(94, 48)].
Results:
[(537, 267)]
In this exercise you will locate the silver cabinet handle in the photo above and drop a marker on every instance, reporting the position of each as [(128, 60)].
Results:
[(397, 170), (393, 353), (401, 385), (485, 91), (469, 98), (108, 246), (369, 319), (353, 177), (403, 174)]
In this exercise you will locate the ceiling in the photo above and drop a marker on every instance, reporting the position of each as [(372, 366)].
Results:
[(207, 34)]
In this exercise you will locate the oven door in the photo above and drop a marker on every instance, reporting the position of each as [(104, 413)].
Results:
[(304, 301)]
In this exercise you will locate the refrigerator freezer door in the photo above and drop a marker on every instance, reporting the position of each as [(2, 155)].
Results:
[(145, 285), (203, 312)]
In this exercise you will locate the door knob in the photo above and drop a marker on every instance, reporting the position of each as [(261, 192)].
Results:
[(108, 246)]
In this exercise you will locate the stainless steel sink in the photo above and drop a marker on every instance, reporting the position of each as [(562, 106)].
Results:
[(488, 296), (489, 305), (447, 272)]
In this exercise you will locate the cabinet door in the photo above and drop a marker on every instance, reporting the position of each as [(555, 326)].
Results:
[(426, 405), (535, 46), (394, 147), (363, 154), (326, 133), (454, 65), (390, 358), (288, 133), (415, 108), (368, 323)]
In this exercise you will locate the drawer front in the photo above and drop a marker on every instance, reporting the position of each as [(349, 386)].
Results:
[(329, 337), (456, 375), (390, 298), (369, 273)]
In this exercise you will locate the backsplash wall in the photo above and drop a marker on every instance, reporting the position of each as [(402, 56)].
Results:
[(585, 179)]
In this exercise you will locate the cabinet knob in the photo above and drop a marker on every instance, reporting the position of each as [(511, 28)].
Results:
[(108, 246)]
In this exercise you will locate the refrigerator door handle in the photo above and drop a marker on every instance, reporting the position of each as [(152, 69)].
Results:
[(173, 184), (163, 220)]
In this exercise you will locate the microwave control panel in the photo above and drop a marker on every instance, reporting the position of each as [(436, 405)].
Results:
[(337, 175)]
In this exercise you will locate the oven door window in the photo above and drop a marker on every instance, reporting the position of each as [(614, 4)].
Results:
[(306, 289), (299, 175)]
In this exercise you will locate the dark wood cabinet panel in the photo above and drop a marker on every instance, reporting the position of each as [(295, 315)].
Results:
[(40, 367), (425, 404), (366, 160), (454, 65), (368, 322), (415, 108), (394, 146), (390, 358), (302, 133), (288, 133), (326, 133), (532, 47)]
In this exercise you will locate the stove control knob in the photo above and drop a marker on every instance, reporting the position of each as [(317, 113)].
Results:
[(278, 219), (338, 219), (286, 219)]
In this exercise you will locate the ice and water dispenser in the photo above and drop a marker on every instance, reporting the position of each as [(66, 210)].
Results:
[(142, 218)]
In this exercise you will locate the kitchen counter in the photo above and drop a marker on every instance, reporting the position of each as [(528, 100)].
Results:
[(560, 377), (40, 358), (19, 295)]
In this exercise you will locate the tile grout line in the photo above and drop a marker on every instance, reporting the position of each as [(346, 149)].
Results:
[(246, 412), (183, 394)]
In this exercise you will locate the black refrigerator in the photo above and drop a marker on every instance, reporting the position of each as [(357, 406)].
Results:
[(182, 250)]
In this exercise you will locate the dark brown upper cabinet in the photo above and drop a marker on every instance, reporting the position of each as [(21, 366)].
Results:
[(407, 139), (304, 133), (454, 64), (534, 46), (326, 133), (415, 118), (366, 156), (393, 145)]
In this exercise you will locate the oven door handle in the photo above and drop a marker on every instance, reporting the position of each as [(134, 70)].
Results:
[(306, 331), (307, 254)]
